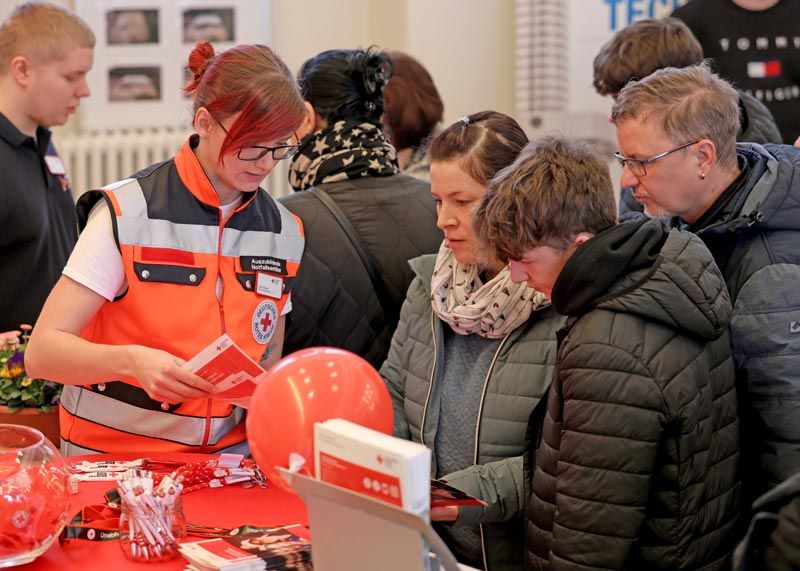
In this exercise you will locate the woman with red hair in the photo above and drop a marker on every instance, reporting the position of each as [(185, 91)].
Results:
[(169, 260)]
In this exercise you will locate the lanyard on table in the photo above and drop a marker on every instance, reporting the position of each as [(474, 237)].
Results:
[(99, 522)]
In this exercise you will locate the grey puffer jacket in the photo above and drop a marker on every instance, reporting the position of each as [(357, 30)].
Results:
[(635, 462), (755, 240), (333, 301), (518, 377)]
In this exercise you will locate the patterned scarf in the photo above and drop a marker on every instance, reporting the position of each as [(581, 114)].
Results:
[(491, 310), (348, 149)]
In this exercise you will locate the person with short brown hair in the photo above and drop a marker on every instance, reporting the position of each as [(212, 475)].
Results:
[(45, 53), (676, 134), (640, 48), (473, 352), (632, 462), (570, 199), (412, 109), (645, 46)]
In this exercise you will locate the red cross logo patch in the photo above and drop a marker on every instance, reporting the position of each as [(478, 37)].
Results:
[(265, 320)]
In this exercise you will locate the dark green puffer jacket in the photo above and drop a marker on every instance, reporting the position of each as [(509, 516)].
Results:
[(635, 464), (518, 377)]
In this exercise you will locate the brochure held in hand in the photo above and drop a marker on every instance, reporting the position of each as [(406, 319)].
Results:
[(227, 366)]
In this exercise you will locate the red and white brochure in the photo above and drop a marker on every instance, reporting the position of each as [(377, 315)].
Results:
[(225, 364)]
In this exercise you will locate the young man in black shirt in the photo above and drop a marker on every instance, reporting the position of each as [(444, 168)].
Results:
[(45, 54)]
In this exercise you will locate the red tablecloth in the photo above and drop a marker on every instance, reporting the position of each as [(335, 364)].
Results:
[(229, 506)]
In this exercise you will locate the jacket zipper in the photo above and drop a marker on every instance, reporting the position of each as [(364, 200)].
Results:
[(478, 431), (430, 383), (207, 431)]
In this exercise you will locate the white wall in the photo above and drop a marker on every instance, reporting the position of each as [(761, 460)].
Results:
[(467, 45), (7, 5)]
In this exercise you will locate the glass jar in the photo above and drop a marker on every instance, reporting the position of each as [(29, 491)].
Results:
[(34, 494), (151, 536)]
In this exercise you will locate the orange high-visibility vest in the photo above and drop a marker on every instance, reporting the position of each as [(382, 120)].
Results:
[(174, 247)]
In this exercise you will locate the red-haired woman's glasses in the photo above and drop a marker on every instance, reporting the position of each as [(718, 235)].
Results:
[(258, 152), (279, 152)]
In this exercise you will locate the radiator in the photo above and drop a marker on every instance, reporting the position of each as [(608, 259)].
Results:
[(94, 159)]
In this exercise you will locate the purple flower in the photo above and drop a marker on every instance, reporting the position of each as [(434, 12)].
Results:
[(15, 360)]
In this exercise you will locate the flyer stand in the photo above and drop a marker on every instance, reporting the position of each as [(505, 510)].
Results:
[(365, 533)]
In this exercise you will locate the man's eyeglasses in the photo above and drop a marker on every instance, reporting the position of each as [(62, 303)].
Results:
[(257, 152), (637, 166)]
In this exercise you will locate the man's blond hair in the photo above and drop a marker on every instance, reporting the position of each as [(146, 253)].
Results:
[(41, 31), (687, 104)]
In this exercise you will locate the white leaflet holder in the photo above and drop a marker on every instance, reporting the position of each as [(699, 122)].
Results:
[(364, 533)]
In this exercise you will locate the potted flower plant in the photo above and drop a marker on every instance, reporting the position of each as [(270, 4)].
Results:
[(23, 400)]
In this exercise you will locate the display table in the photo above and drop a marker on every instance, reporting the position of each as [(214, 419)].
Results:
[(229, 506)]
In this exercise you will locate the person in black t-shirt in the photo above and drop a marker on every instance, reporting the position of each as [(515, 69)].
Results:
[(755, 44), (45, 54)]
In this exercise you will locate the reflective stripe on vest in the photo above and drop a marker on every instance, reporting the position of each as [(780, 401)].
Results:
[(187, 430), (69, 449), (134, 227)]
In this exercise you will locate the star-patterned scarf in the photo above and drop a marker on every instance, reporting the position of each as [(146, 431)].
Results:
[(345, 150), (492, 309)]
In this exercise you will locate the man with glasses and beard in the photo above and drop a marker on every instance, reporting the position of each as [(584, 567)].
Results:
[(677, 137)]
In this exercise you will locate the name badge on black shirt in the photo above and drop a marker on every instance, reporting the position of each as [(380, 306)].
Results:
[(55, 165)]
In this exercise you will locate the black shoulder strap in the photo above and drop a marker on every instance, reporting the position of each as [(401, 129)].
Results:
[(384, 297)]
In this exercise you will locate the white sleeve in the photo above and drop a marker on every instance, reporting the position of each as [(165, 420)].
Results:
[(96, 261), (288, 305)]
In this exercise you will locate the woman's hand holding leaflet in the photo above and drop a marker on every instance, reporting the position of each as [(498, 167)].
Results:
[(161, 376)]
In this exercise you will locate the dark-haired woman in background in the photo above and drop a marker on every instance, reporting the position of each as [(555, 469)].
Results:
[(473, 352), (165, 264), (345, 155), (413, 109)]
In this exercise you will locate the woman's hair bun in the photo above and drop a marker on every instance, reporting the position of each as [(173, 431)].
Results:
[(202, 55), (376, 71)]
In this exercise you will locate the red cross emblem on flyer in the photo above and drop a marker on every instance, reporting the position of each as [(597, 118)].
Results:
[(20, 519)]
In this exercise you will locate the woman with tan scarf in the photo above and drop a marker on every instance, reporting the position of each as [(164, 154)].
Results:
[(473, 352)]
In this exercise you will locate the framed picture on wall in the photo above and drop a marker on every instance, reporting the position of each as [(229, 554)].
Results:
[(141, 52), (132, 26), (208, 24), (134, 83)]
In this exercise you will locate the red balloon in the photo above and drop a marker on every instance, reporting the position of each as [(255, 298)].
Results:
[(309, 386)]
